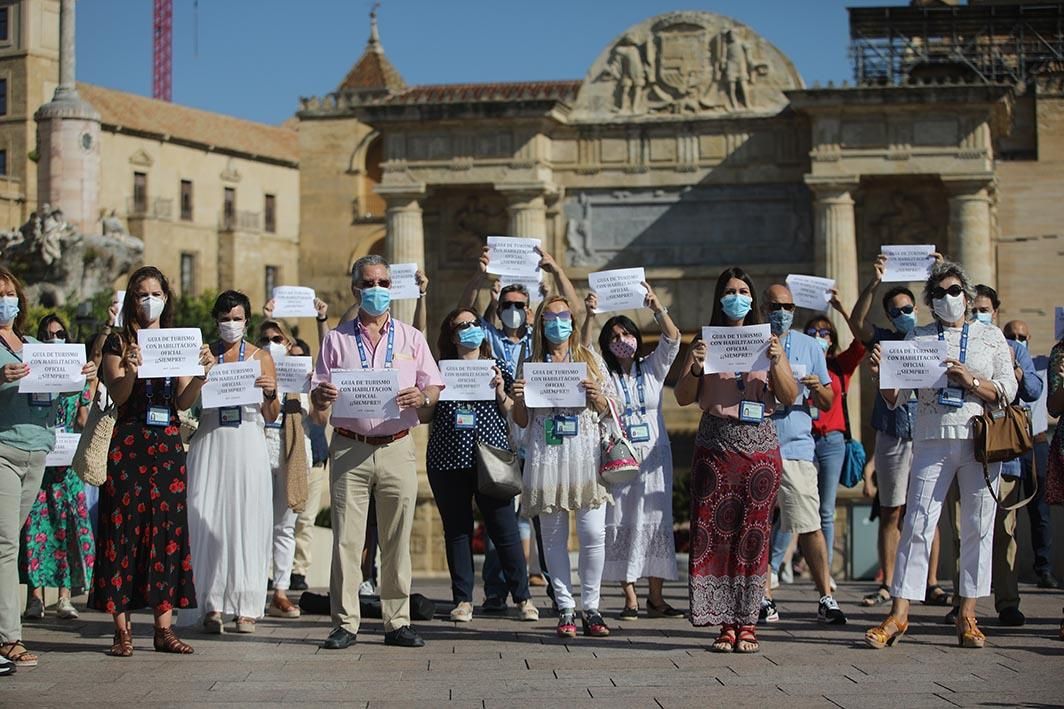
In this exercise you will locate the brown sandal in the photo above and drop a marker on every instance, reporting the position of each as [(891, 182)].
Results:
[(725, 642), (122, 646), (747, 642), (17, 653), (880, 636), (969, 634), (167, 641)]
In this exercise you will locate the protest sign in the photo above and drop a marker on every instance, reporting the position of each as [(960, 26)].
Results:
[(467, 379), (171, 352), (293, 374), (812, 292), (66, 444), (513, 256), (737, 349), (555, 384), (120, 301), (366, 393), (912, 364), (533, 284), (293, 302), (54, 369), (1039, 413), (906, 264), (619, 289), (232, 384), (404, 281)]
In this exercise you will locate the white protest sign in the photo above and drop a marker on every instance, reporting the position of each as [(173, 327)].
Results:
[(1058, 323), (120, 300), (293, 302), (800, 371), (912, 364), (293, 374), (54, 369), (171, 352), (906, 264), (366, 393), (232, 384), (554, 385), (737, 349), (532, 284), (467, 379), (404, 281), (619, 289), (66, 444), (1039, 414), (513, 256), (812, 292)]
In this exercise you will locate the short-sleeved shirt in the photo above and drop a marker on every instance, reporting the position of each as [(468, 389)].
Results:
[(411, 357), (453, 448), (503, 348), (895, 422), (841, 368), (23, 426), (794, 425)]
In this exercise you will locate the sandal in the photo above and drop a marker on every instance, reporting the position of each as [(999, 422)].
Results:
[(662, 611), (881, 596), (936, 596), (244, 625), (968, 633), (16, 652), (725, 642), (879, 637), (747, 642), (122, 645), (166, 640), (213, 624)]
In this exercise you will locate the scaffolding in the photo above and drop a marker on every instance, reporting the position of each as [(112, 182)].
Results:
[(989, 44)]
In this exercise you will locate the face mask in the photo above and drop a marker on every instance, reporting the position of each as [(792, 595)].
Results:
[(558, 331), (512, 318), (736, 305), (376, 300), (1022, 344), (231, 330), (905, 322), (278, 351), (471, 337), (948, 309), (8, 309), (824, 344), (151, 308), (985, 318), (623, 348), (56, 341), (780, 320)]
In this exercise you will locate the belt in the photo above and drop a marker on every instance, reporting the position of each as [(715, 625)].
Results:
[(372, 440)]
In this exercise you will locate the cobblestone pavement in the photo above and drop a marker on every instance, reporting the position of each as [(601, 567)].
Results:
[(501, 662)]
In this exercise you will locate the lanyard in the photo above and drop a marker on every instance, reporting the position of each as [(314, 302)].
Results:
[(509, 348), (568, 356), (964, 340), (388, 354), (8, 348), (639, 379), (149, 389), (221, 356)]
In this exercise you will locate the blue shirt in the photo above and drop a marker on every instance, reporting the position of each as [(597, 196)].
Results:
[(28, 428), (897, 422), (1028, 391), (502, 348), (794, 426)]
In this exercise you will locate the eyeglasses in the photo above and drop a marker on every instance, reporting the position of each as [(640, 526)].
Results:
[(276, 339), (813, 332), (379, 283), (459, 327), (907, 309), (1019, 338), (781, 306), (565, 315), (58, 334), (515, 304), (939, 292)]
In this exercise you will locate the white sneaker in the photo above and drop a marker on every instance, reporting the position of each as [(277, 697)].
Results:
[(34, 608), (831, 583), (463, 612), (786, 574), (65, 610), (528, 610), (773, 580), (366, 588)]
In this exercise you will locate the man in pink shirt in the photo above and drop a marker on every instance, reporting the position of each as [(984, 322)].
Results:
[(373, 456)]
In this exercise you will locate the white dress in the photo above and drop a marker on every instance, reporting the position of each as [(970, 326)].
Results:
[(639, 538), (230, 515)]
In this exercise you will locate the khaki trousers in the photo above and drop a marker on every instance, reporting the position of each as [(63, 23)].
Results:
[(305, 521), (389, 474), (20, 481)]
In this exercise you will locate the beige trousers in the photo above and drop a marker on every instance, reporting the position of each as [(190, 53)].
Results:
[(389, 474), (305, 521), (20, 481), (1005, 575)]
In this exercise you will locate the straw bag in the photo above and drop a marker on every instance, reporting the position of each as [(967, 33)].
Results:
[(90, 459), (619, 464), (297, 471)]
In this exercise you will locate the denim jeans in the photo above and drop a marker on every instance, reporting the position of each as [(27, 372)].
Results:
[(1038, 510), (780, 541), (494, 579), (830, 456)]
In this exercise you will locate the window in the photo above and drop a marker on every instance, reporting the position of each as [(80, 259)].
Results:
[(229, 208), (140, 192), (3, 97), (4, 26), (272, 277), (3, 162), (186, 200), (270, 214), (188, 274)]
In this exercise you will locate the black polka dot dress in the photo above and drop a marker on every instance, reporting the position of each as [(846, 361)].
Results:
[(452, 448)]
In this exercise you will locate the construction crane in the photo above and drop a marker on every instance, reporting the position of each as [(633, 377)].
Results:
[(162, 50)]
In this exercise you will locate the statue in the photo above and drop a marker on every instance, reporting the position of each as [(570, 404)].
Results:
[(578, 233), (112, 225), (628, 69), (735, 67)]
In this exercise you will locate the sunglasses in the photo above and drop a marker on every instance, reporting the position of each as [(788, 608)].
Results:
[(1020, 338), (379, 283), (813, 332), (276, 339), (514, 304), (565, 315), (459, 327), (939, 292), (58, 334), (781, 306), (907, 309)]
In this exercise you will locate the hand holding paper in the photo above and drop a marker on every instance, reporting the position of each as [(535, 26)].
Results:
[(171, 352), (513, 256), (404, 281), (905, 264), (912, 364), (467, 379), (811, 292), (737, 349), (619, 289), (294, 302), (53, 369)]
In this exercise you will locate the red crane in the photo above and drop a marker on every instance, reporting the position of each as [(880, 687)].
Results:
[(162, 50)]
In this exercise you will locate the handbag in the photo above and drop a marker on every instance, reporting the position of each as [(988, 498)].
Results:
[(1001, 434), (90, 458), (618, 464), (853, 464), (297, 472), (498, 472)]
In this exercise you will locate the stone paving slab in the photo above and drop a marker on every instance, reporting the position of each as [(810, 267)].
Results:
[(501, 662)]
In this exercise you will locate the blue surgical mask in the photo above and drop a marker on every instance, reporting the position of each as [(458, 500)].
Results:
[(824, 344), (1022, 344), (471, 337), (558, 330), (8, 308), (736, 305), (905, 322), (985, 318), (376, 300), (781, 321)]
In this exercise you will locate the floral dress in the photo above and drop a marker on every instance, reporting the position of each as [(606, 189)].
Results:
[(57, 549), (1054, 493)]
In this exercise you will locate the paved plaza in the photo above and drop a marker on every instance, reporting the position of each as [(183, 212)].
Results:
[(500, 662)]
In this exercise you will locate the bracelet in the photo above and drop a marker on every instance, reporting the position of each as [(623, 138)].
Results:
[(269, 395), (322, 319), (658, 315)]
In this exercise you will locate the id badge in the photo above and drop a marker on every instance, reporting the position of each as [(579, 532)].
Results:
[(158, 416), (229, 416), (465, 419), (42, 400), (565, 426), (639, 432), (275, 425), (814, 413), (951, 396), (751, 411), (550, 436)]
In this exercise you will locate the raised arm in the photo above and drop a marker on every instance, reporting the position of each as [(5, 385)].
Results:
[(322, 319), (468, 298), (421, 318), (561, 281), (858, 320), (586, 335), (686, 390)]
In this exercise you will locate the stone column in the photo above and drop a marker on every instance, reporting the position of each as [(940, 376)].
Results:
[(970, 241), (528, 213), (404, 240)]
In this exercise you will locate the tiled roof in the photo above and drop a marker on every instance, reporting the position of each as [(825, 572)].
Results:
[(373, 72), (139, 113), (477, 93)]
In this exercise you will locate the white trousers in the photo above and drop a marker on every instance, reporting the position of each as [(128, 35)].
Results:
[(935, 464), (284, 533), (591, 533)]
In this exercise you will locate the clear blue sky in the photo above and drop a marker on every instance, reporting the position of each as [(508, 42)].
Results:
[(254, 58)]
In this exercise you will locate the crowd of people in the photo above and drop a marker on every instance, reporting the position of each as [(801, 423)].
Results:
[(195, 516)]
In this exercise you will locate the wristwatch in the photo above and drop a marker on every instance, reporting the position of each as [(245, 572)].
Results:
[(975, 384), (320, 319), (427, 401), (269, 396)]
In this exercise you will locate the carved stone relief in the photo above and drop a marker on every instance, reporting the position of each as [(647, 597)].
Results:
[(896, 212), (464, 219)]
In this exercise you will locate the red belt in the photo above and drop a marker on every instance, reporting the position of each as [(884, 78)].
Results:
[(372, 440)]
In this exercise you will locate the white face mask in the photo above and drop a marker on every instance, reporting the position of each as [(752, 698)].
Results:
[(948, 309), (278, 351), (512, 318), (231, 330), (151, 308), (56, 341)]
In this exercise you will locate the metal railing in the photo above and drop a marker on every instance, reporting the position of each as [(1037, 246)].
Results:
[(240, 220), (152, 208)]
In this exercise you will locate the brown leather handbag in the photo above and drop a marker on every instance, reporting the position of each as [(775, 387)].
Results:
[(1002, 434), (294, 455)]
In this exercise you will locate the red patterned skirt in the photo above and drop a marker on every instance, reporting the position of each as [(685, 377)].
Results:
[(734, 479)]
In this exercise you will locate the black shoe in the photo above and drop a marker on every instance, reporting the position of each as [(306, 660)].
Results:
[(403, 637), (628, 614), (269, 584), (1048, 580), (1012, 617), (951, 617), (493, 604), (339, 639), (297, 582)]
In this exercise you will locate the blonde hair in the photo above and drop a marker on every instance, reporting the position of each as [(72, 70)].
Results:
[(576, 349)]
